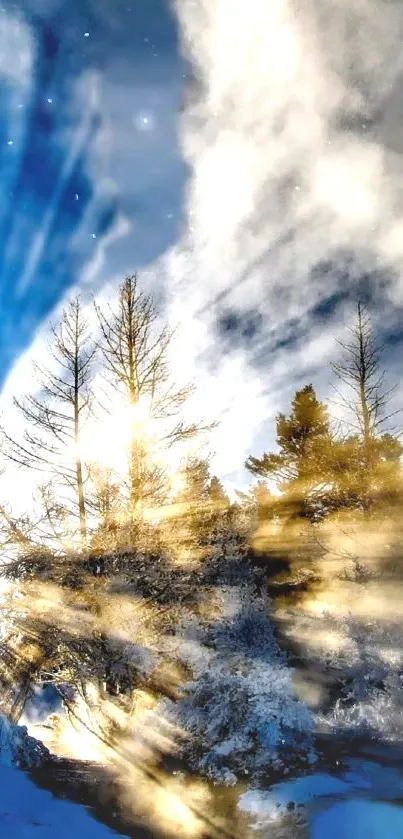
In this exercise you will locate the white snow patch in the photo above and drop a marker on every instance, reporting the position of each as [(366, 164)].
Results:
[(359, 820), (371, 780), (17, 748), (27, 812)]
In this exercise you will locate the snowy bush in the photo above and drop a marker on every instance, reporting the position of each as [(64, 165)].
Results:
[(370, 667), (243, 721), (17, 748), (240, 711)]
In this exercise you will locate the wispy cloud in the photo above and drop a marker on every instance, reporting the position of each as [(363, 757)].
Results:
[(291, 156), (294, 197), (86, 193), (51, 210)]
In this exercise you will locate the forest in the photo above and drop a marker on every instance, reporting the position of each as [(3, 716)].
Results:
[(178, 626)]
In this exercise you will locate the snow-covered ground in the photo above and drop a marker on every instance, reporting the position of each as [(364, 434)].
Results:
[(346, 640), (359, 820), (365, 812), (27, 812), (243, 718), (351, 632), (242, 705)]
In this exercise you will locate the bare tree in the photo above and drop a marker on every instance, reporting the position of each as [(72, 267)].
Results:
[(135, 352), (360, 370), (55, 413), (368, 457)]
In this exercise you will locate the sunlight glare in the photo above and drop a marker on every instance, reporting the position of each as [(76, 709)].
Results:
[(106, 441)]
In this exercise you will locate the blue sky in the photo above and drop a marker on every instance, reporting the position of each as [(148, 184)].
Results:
[(258, 210), (90, 93)]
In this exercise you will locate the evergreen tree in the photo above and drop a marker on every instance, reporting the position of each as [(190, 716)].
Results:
[(259, 505), (201, 511), (105, 502), (191, 509), (300, 468), (220, 510)]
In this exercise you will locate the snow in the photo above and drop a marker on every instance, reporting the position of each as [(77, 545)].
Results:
[(365, 656), (268, 806), (371, 697), (239, 711), (17, 748), (369, 780), (27, 812), (359, 820)]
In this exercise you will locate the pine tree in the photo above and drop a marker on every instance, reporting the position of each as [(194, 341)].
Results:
[(200, 519), (300, 468), (105, 503), (191, 509), (220, 511)]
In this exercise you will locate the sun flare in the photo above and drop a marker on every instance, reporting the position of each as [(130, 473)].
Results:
[(106, 441)]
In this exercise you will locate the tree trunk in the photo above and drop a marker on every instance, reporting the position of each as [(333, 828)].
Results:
[(366, 423), (133, 397), (79, 468), (365, 418)]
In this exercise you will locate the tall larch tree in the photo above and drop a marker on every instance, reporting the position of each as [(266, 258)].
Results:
[(369, 446), (54, 414), (135, 349)]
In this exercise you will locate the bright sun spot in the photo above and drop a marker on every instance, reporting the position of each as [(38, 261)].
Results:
[(144, 121), (106, 441)]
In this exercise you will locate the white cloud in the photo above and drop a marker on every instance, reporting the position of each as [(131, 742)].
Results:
[(294, 153), (288, 145)]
